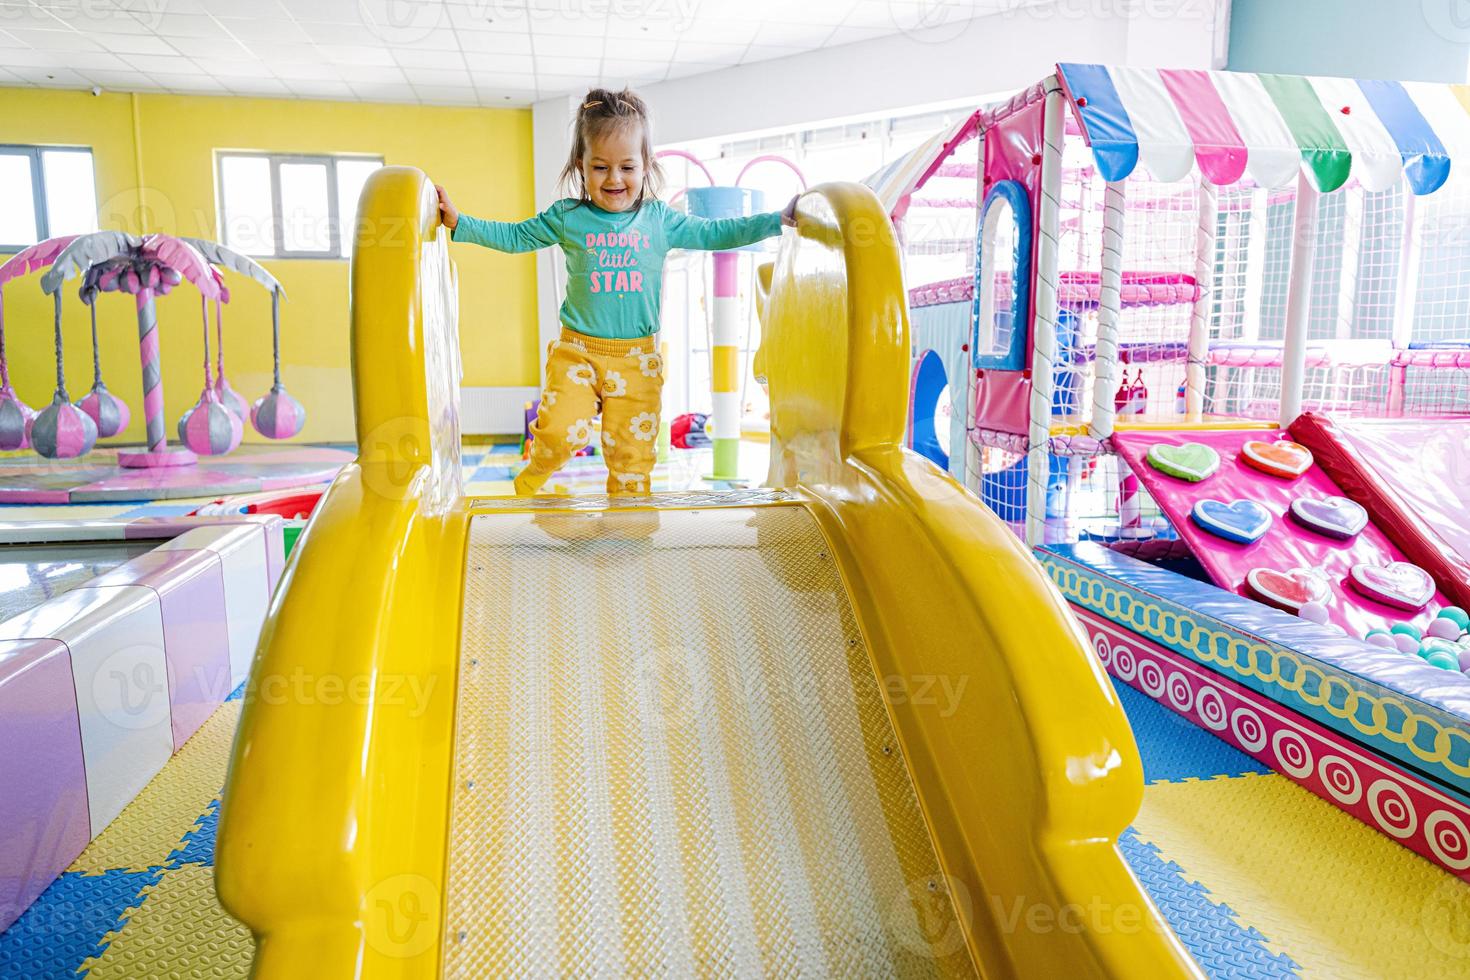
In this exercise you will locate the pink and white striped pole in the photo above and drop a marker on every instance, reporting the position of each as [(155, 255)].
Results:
[(158, 453), (1130, 507)]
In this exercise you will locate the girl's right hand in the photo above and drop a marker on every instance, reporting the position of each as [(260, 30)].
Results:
[(448, 213)]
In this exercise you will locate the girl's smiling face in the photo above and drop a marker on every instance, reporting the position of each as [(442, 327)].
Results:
[(613, 167)]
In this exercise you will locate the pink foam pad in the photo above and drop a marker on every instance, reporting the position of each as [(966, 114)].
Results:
[(196, 638), (44, 822), (1286, 544)]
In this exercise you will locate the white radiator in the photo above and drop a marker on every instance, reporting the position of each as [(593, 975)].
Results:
[(494, 411)]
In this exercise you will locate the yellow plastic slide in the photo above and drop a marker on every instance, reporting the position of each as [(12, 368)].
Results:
[(838, 727)]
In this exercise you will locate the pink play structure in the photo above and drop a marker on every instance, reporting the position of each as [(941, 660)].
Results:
[(145, 268)]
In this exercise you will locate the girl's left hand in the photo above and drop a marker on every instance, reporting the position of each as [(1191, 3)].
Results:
[(788, 213)]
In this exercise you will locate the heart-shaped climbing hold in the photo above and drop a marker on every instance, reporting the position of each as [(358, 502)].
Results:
[(1398, 584), (1285, 459), (1242, 521), (1191, 461), (1336, 517), (1288, 590)]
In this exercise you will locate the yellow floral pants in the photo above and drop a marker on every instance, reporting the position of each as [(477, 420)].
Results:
[(623, 379)]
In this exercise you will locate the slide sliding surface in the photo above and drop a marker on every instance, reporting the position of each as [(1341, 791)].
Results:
[(673, 757), (840, 727)]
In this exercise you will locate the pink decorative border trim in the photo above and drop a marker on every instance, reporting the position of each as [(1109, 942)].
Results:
[(1382, 796)]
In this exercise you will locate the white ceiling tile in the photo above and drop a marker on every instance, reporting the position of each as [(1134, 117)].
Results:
[(573, 20), (499, 80), (59, 40), (501, 64), (683, 69), (238, 69), (87, 61), (125, 81), (400, 21), (484, 43), (57, 78), (287, 52), (299, 72), (568, 66), (443, 60), (850, 35), (879, 14), (151, 11), (211, 48), (555, 84), (9, 40), (635, 50), (640, 69), (27, 16), (258, 29), (266, 9), (258, 86), (375, 92), (447, 94), (29, 58), (723, 31), (563, 46), (197, 82), (442, 39), (379, 74), (647, 30), (765, 52), (188, 25), (332, 33), (159, 64), (710, 53), (136, 44), (355, 54), (799, 35), (320, 89), (434, 76), (328, 11)]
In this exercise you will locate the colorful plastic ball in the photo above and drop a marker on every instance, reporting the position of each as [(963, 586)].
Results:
[(1406, 643), (1407, 629), (277, 415), (209, 428), (1464, 659), (62, 431), (231, 398), (1438, 643), (15, 417), (1445, 628), (1381, 639), (1314, 612), (1457, 615), (109, 412), (1443, 660)]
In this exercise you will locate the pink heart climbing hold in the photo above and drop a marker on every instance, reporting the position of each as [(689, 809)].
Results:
[(1399, 584)]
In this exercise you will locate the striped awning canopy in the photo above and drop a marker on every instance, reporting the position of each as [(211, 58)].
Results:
[(1233, 124), (897, 180)]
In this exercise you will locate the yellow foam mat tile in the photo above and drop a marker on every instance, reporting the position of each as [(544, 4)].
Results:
[(151, 827), (1338, 897), (177, 931)]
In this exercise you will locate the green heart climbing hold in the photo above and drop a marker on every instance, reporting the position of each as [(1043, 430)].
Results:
[(1192, 461)]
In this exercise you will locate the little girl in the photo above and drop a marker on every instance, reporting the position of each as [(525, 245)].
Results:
[(615, 234)]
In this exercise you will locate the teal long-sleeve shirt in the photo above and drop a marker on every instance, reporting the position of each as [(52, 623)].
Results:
[(615, 261)]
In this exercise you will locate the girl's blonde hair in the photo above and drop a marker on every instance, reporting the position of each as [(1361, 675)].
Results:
[(603, 111)]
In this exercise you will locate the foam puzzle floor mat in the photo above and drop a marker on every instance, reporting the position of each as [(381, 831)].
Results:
[(1258, 877)]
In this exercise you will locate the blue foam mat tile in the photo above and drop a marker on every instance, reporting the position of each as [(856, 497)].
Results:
[(1219, 944), (1174, 748), (66, 925), (197, 846), (485, 474), (158, 509), (238, 692)]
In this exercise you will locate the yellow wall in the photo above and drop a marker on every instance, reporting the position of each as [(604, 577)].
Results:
[(483, 156)]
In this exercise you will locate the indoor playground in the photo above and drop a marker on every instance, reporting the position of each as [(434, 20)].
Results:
[(1055, 555)]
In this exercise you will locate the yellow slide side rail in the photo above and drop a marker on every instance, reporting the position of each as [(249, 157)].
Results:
[(332, 831), (1023, 761)]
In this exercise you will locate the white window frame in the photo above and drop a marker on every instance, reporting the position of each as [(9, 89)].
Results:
[(38, 185), (334, 219)]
